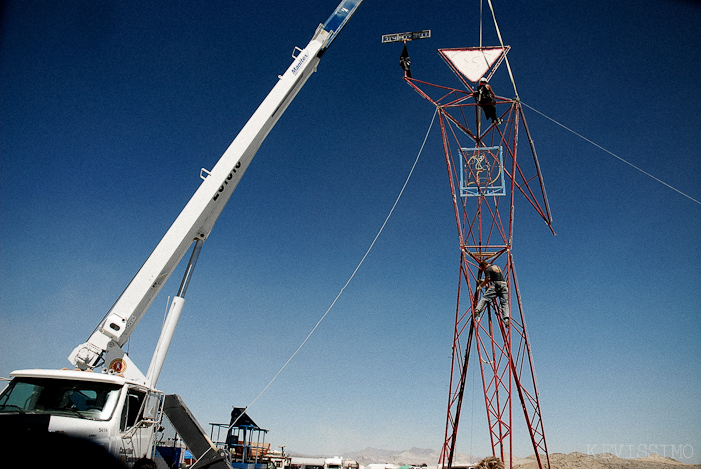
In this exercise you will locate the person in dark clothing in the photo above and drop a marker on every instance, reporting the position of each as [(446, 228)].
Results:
[(485, 97), (494, 278), (405, 62)]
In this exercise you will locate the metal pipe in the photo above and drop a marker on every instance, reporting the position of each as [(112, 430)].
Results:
[(190, 267)]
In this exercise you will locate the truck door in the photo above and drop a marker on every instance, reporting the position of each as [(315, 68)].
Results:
[(136, 435)]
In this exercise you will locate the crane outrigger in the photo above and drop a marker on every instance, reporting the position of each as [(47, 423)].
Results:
[(121, 408)]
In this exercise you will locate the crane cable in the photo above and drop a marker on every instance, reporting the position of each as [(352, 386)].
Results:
[(496, 26), (501, 42), (396, 202), (611, 153)]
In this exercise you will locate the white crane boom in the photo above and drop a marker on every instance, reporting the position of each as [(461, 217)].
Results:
[(199, 215), (121, 408)]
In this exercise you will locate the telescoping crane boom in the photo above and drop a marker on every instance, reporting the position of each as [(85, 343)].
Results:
[(120, 407), (195, 222)]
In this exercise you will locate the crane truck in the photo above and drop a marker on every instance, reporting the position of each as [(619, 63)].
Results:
[(106, 398)]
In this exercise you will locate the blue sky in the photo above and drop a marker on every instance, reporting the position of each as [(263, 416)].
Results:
[(108, 110)]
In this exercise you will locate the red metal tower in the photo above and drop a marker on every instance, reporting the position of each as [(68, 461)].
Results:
[(486, 173)]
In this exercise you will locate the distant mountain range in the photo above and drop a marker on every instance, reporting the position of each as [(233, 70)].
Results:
[(413, 456), (420, 456)]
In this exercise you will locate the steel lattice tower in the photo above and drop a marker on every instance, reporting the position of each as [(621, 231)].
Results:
[(486, 174)]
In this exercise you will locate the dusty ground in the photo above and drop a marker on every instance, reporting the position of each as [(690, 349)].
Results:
[(602, 461)]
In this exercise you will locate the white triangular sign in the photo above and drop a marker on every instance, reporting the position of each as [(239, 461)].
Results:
[(473, 63)]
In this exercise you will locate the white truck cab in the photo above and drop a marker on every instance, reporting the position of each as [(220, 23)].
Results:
[(109, 409)]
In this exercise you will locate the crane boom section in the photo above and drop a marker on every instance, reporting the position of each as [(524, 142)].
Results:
[(201, 212)]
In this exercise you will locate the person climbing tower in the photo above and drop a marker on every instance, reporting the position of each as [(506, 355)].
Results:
[(405, 61), (485, 97), (493, 277)]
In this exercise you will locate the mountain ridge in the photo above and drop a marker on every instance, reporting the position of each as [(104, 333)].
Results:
[(424, 456)]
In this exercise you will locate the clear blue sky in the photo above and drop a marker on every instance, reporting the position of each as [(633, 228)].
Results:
[(109, 109)]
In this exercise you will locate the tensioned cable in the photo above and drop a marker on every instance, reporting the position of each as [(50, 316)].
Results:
[(612, 153), (496, 26), (501, 41), (350, 278)]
